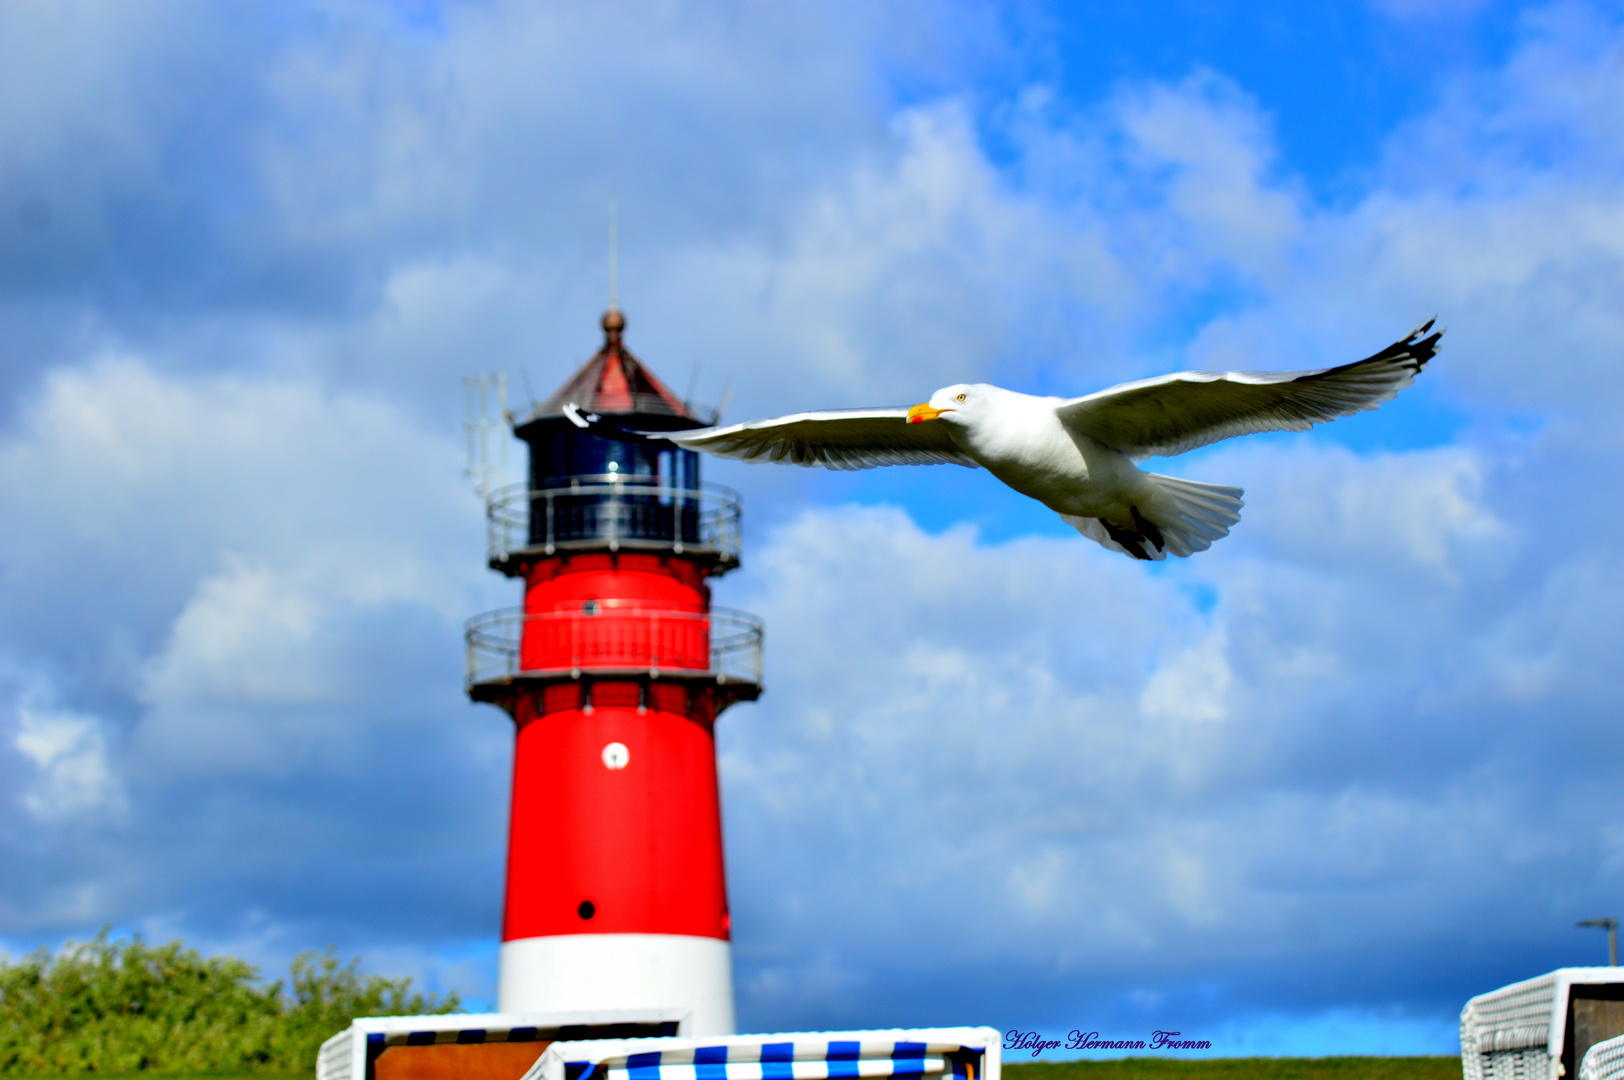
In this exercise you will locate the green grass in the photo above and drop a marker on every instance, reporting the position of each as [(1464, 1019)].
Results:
[(1169, 1068), (176, 1075)]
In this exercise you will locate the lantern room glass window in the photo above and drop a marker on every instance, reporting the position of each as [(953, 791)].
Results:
[(602, 488)]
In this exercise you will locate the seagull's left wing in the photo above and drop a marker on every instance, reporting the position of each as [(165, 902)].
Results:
[(1179, 412), (842, 439)]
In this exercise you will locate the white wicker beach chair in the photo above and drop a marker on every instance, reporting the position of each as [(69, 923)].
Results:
[(352, 1054), (1541, 1028), (1604, 1061)]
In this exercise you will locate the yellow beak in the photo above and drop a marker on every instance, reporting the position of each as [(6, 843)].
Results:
[(920, 413)]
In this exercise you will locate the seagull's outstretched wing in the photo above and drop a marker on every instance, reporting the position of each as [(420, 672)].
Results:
[(1179, 412), (842, 439)]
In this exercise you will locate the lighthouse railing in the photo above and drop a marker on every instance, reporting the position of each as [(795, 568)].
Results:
[(614, 511), (720, 644)]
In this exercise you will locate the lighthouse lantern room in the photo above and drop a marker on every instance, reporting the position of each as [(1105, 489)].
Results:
[(614, 672)]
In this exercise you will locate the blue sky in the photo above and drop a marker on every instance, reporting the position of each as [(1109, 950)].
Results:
[(1303, 793)]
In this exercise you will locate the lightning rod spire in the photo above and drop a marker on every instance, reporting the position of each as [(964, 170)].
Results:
[(614, 269)]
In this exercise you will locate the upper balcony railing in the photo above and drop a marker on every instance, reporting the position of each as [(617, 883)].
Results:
[(615, 637), (615, 513)]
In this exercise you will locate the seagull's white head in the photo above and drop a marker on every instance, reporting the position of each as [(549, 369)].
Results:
[(962, 403)]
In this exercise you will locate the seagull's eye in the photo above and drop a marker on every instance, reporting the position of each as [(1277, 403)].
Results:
[(961, 397)]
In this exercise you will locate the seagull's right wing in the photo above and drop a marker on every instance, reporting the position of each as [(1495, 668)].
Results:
[(1179, 412), (840, 439)]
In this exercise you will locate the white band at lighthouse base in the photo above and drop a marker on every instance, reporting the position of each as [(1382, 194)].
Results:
[(621, 971)]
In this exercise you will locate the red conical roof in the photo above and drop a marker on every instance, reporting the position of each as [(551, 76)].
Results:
[(614, 382)]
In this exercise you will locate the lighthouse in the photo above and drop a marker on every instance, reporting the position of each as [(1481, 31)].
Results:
[(614, 672)]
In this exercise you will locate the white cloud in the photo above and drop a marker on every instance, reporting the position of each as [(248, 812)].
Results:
[(250, 675), (1500, 210), (1037, 736), (238, 556), (913, 268), (69, 753), (259, 583), (1204, 148), (1415, 514), (1190, 685)]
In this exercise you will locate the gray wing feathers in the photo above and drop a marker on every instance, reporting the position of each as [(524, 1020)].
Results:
[(1175, 413), (852, 439)]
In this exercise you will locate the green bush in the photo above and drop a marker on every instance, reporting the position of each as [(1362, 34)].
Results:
[(122, 1006)]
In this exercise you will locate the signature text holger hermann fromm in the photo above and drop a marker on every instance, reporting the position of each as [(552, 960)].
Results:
[(1015, 1039)]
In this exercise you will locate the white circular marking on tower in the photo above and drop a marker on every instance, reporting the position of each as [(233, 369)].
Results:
[(616, 756)]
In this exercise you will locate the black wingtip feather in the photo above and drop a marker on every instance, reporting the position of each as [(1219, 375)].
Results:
[(605, 429), (1417, 346)]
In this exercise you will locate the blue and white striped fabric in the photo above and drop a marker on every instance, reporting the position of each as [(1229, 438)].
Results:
[(946, 1052), (381, 1039)]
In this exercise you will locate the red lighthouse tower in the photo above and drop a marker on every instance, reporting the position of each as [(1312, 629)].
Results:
[(614, 671)]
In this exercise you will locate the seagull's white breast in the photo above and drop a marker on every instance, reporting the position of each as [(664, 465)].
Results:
[(1021, 440)]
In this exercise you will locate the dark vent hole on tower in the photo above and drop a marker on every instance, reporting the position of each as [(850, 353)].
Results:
[(591, 607), (587, 909)]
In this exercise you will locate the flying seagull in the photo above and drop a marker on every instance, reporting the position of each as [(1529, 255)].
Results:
[(1076, 456)]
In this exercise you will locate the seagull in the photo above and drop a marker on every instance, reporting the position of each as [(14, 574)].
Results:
[(1077, 456)]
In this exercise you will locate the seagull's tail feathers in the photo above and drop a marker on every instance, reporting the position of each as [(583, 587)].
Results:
[(1182, 518), (1192, 514)]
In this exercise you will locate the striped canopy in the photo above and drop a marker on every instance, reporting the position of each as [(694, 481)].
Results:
[(957, 1052)]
